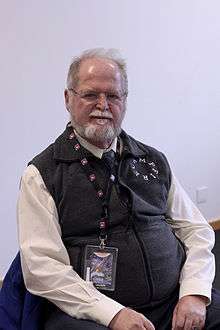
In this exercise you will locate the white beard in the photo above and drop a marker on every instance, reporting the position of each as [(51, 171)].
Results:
[(97, 135)]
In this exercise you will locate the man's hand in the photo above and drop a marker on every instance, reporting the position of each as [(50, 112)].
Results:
[(128, 319), (189, 313)]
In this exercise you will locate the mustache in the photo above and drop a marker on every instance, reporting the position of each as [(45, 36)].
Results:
[(100, 114)]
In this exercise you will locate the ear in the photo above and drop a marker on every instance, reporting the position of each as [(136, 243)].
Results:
[(66, 98)]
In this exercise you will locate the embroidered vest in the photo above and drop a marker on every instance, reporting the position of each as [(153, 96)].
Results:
[(150, 256)]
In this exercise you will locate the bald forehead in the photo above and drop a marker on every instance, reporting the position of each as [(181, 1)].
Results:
[(97, 68), (92, 65)]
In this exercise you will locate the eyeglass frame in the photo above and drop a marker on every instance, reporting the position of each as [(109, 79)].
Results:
[(96, 96)]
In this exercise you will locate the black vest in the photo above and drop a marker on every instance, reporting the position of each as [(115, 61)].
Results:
[(150, 256)]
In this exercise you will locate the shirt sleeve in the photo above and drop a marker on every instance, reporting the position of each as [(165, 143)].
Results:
[(45, 262), (198, 237)]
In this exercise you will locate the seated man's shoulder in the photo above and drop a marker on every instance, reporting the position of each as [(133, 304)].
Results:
[(44, 157)]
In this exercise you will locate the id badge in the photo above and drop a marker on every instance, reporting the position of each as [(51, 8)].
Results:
[(100, 266)]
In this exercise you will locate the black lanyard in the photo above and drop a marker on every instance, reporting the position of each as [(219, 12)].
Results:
[(105, 197)]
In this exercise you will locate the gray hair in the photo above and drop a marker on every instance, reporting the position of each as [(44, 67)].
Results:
[(110, 54)]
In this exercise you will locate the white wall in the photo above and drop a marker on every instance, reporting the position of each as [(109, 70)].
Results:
[(173, 51)]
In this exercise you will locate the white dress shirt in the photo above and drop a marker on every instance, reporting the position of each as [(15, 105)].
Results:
[(45, 261)]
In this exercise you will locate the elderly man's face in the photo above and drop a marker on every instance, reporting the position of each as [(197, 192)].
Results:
[(97, 104)]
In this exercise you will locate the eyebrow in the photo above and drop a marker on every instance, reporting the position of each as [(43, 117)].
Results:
[(99, 91)]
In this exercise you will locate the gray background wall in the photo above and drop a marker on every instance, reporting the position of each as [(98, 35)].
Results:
[(172, 49)]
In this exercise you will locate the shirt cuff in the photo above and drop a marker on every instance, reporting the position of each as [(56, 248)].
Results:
[(196, 287), (104, 310)]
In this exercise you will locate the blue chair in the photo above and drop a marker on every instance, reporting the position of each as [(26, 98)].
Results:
[(19, 309)]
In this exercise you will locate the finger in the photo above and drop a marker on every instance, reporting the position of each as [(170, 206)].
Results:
[(199, 325), (179, 322), (188, 324)]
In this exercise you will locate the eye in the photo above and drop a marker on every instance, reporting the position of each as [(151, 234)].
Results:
[(89, 96), (113, 97)]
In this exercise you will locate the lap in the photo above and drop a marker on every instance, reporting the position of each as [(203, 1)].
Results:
[(58, 320)]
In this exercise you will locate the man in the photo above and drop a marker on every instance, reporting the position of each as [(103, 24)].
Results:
[(115, 218)]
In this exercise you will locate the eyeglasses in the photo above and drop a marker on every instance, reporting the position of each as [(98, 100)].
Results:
[(92, 96)]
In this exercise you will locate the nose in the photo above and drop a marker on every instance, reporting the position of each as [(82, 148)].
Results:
[(102, 102)]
